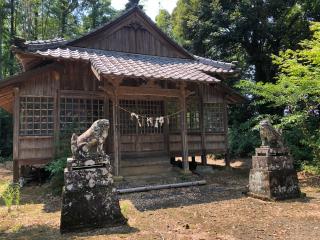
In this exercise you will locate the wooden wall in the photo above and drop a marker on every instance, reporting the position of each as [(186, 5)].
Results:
[(78, 76), (133, 35), (75, 79)]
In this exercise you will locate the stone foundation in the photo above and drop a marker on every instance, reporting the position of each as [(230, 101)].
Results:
[(272, 175), (89, 199)]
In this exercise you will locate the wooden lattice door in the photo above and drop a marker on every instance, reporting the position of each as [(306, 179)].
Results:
[(138, 136)]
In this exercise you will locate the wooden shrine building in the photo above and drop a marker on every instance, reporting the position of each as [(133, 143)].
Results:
[(161, 100)]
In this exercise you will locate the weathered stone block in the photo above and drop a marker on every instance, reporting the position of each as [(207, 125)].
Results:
[(89, 208), (276, 184), (272, 162), (272, 175), (89, 199)]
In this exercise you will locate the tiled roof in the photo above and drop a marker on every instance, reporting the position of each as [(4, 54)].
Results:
[(44, 44), (137, 65)]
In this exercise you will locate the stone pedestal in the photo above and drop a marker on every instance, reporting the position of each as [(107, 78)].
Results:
[(89, 199), (272, 175)]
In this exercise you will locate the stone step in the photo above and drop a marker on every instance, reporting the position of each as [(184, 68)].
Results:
[(145, 170), (146, 161), (146, 165)]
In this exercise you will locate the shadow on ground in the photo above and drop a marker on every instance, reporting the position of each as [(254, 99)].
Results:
[(221, 185), (40, 232)]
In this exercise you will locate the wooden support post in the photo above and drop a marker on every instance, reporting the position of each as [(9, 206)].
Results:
[(56, 127), (115, 127), (202, 128), (184, 136), (226, 119), (16, 113), (166, 129)]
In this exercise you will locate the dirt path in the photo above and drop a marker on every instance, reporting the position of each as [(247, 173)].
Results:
[(217, 210)]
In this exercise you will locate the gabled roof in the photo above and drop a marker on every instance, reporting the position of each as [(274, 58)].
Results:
[(128, 13), (60, 42), (137, 65), (189, 68)]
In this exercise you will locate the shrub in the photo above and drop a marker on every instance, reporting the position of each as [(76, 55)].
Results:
[(313, 167), (57, 166), (11, 195), (243, 138)]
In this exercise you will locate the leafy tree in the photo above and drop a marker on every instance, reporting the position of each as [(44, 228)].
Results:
[(3, 16), (248, 30), (297, 91), (96, 13), (63, 9), (312, 9), (163, 20)]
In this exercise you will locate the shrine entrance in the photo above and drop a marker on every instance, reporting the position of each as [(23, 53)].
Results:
[(143, 136)]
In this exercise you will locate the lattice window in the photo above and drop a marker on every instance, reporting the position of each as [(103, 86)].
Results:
[(143, 108), (36, 116), (214, 117), (78, 114), (174, 120), (193, 114), (127, 125)]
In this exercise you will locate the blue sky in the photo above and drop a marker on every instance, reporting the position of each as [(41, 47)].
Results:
[(151, 6)]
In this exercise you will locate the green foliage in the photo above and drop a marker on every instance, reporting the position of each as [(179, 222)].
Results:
[(312, 168), (246, 31), (244, 138), (298, 89), (96, 13), (163, 20), (57, 166), (6, 136), (11, 195)]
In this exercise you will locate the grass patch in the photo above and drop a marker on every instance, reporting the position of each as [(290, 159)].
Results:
[(125, 208)]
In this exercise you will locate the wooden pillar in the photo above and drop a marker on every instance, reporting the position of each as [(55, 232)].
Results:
[(56, 127), (115, 127), (226, 120), (16, 123), (166, 129), (202, 128), (184, 136)]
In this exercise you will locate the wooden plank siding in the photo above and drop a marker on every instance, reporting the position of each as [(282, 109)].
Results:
[(133, 35), (76, 80)]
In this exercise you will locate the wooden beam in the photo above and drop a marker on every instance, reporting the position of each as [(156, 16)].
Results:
[(184, 134), (56, 127), (145, 91), (202, 128), (159, 187), (96, 74), (16, 112), (226, 119), (115, 127)]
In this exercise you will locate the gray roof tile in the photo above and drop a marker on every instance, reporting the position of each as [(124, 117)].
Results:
[(137, 65)]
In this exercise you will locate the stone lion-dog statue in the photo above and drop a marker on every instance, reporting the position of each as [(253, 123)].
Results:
[(91, 142), (269, 135)]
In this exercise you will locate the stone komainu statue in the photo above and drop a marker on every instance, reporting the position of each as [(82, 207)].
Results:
[(91, 142), (269, 136)]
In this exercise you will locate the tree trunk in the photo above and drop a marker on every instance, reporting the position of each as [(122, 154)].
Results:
[(63, 23), (11, 60), (1, 37)]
